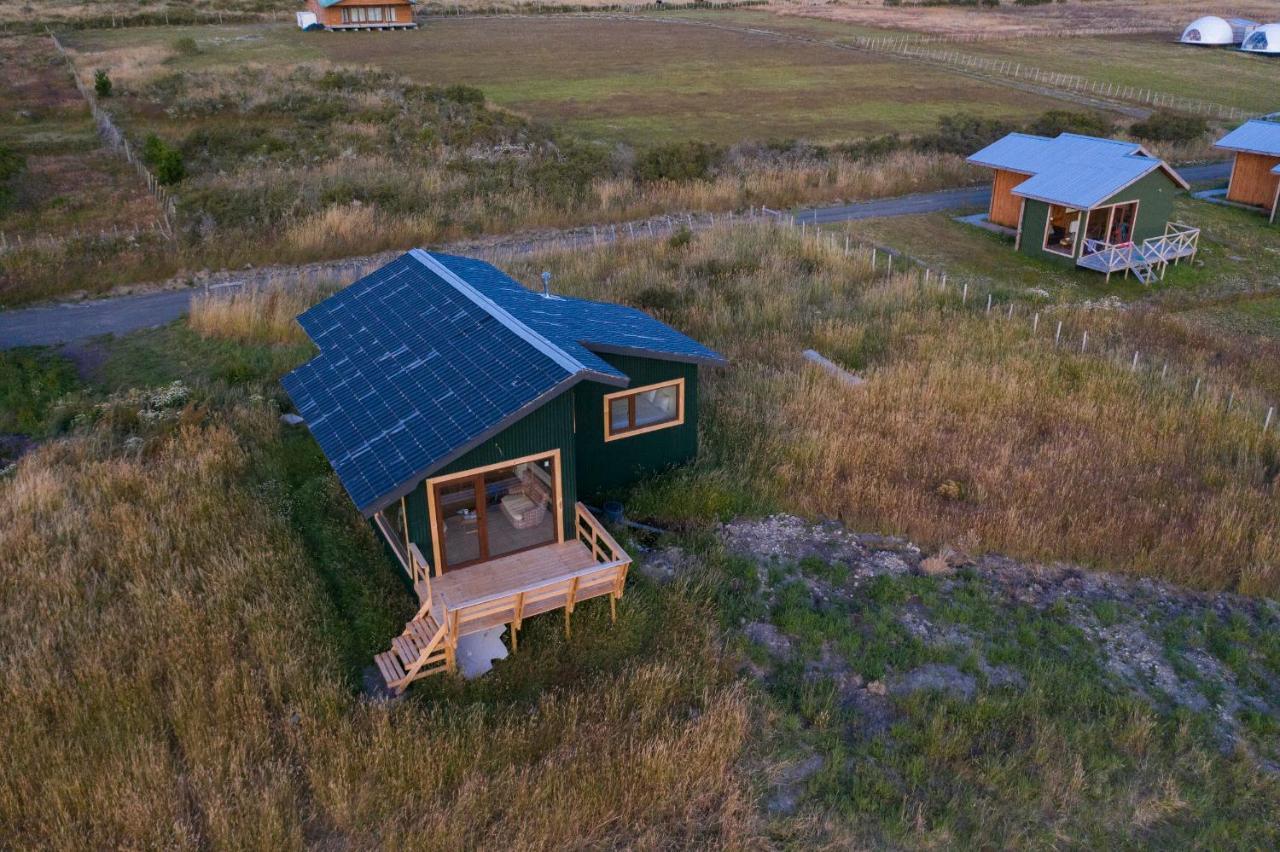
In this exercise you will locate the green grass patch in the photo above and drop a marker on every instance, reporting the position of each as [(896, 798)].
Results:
[(31, 381)]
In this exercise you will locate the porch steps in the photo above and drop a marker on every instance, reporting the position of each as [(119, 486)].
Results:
[(417, 652)]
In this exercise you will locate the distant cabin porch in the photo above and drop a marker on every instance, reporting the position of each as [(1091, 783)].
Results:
[(453, 602)]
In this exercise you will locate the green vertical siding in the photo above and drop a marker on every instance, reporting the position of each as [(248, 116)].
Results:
[(1154, 194), (603, 467), (548, 428)]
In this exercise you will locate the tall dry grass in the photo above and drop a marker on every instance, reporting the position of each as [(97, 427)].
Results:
[(256, 314), (968, 429), (172, 680)]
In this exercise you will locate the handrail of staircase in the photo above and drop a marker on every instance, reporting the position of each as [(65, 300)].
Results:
[(595, 536), (420, 572)]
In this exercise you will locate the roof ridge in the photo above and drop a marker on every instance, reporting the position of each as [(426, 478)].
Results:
[(566, 361)]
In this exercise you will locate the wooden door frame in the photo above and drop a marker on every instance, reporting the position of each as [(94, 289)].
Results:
[(437, 531)]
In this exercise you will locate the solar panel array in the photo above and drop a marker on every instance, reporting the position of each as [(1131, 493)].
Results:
[(415, 369), (409, 371), (580, 326)]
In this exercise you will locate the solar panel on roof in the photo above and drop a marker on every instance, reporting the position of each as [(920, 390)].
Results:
[(432, 354)]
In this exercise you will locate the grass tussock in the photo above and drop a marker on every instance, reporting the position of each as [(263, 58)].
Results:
[(180, 611), (256, 314), (968, 430)]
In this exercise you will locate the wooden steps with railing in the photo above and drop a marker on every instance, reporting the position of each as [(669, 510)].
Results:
[(503, 591), (1148, 260)]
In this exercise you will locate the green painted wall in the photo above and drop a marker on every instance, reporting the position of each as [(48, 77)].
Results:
[(548, 428), (1154, 194), (574, 423), (604, 467)]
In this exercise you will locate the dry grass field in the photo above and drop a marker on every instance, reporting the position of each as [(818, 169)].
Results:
[(235, 597), (1048, 19), (967, 427), (70, 184)]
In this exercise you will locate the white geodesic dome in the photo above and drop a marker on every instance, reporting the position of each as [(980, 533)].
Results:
[(1265, 39), (1210, 31)]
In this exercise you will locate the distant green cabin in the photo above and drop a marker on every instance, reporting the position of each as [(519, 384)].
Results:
[(468, 415), (1100, 204)]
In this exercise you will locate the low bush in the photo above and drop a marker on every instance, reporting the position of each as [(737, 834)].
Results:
[(678, 161), (1057, 121), (1167, 126), (101, 84)]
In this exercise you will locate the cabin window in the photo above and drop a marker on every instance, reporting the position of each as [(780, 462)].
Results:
[(1062, 230), (495, 511), (646, 409)]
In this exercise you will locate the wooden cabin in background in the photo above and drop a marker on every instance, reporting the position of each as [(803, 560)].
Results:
[(1096, 203), (1255, 173), (358, 15), (468, 416)]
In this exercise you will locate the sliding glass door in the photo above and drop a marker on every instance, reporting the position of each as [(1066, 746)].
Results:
[(496, 511)]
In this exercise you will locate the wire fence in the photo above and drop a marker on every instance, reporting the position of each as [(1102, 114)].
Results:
[(1016, 70), (116, 141), (41, 242), (1047, 326)]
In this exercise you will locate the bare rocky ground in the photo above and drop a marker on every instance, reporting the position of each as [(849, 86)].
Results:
[(1212, 654)]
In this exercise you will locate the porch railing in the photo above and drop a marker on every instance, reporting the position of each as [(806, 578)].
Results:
[(1178, 242)]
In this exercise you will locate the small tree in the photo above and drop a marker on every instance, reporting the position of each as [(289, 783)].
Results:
[(101, 84), (169, 167), (165, 161)]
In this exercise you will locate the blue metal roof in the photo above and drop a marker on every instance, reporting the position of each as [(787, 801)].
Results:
[(1078, 171), (1255, 136), (431, 355)]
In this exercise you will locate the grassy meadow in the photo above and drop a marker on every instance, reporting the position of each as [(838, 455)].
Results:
[(640, 82), (237, 596)]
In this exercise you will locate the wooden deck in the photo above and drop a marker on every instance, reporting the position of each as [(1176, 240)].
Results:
[(502, 591)]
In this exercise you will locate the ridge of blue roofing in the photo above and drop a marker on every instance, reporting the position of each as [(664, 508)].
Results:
[(1072, 169), (430, 355), (1255, 136), (582, 327)]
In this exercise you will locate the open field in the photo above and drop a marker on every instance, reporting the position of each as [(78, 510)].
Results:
[(1152, 61), (628, 81), (1048, 19), (640, 82), (70, 183), (236, 597)]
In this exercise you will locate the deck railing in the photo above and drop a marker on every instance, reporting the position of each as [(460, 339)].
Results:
[(563, 591), (1178, 242)]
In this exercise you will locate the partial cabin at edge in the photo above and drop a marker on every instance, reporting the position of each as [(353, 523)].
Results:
[(468, 417), (1255, 170)]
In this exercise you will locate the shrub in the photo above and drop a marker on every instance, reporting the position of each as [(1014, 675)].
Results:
[(1057, 121), (11, 165), (1165, 126), (678, 161), (101, 84), (186, 46), (464, 95), (165, 161), (963, 133)]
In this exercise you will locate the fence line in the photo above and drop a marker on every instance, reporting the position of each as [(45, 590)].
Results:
[(116, 141), (1065, 336), (50, 241)]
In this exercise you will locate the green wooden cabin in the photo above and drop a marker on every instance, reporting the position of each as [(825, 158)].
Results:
[(1083, 201), (468, 416)]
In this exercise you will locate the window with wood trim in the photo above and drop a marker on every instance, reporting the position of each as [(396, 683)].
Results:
[(646, 409)]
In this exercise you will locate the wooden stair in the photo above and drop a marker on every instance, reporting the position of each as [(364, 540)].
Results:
[(419, 651)]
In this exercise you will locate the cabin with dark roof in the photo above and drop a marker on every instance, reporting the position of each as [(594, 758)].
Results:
[(1100, 204), (1255, 169), (467, 416)]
